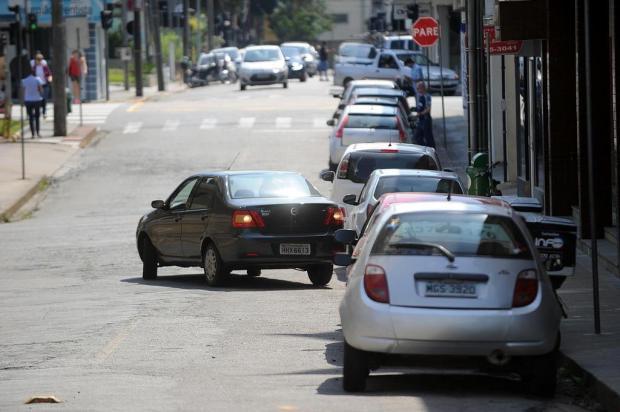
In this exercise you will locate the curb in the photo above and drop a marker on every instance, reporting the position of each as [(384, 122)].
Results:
[(606, 396), (14, 208)]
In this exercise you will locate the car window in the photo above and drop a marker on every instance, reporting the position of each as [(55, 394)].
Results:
[(394, 184), (269, 185), (387, 61), (363, 51), (262, 55), (364, 193), (204, 194), (463, 234), (365, 121), (182, 194), (362, 164)]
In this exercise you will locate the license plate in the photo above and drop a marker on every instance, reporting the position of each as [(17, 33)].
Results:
[(450, 289), (295, 249)]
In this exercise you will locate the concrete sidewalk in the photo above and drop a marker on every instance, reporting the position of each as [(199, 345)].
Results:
[(597, 357)]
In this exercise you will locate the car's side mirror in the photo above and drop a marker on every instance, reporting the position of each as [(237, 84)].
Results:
[(158, 204), (342, 259), (331, 122), (345, 236), (327, 175), (350, 199)]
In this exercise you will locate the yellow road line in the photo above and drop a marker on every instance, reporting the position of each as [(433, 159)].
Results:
[(112, 345), (136, 106)]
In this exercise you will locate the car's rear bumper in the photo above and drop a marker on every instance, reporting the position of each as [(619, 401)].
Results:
[(249, 250), (296, 74)]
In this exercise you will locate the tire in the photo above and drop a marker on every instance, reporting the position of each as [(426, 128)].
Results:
[(214, 269), (346, 82), (303, 78), (321, 274), (285, 85), (540, 377), (332, 166), (253, 272), (149, 260), (242, 86), (355, 370)]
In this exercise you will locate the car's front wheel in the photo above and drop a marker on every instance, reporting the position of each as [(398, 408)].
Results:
[(215, 272), (540, 374), (242, 86), (321, 274), (285, 85), (149, 259), (355, 370)]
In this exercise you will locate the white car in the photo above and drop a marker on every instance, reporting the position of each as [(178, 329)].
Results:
[(451, 282), (360, 160), (356, 84), (383, 181), (400, 42), (367, 124), (263, 65)]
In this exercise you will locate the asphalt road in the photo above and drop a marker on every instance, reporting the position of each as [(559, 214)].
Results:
[(78, 321)]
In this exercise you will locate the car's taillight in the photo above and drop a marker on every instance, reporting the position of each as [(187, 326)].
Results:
[(375, 284), (343, 169), (526, 288), (246, 219), (334, 217), (401, 131), (343, 123)]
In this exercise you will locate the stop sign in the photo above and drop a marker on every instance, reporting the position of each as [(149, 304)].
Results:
[(425, 31)]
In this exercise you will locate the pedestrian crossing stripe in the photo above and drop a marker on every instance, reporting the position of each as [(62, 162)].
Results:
[(208, 124), (246, 122), (171, 125), (133, 127), (283, 122)]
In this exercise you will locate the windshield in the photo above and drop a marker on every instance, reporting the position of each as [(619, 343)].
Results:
[(370, 122), (361, 51), (276, 185), (463, 234), (420, 59), (361, 164), (262, 55), (394, 184), (205, 59), (292, 51)]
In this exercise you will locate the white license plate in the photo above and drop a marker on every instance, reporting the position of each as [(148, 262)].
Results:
[(295, 249), (451, 289)]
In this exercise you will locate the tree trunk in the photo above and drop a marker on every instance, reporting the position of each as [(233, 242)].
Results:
[(59, 69)]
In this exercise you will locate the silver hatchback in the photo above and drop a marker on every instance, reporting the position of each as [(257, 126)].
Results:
[(445, 280)]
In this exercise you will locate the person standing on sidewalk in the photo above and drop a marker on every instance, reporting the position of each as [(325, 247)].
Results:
[(77, 68), (424, 127), (33, 88), (323, 62), (43, 72)]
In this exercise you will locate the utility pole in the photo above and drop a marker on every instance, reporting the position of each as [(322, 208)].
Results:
[(59, 66), (137, 49), (125, 43), (210, 24), (186, 28), (154, 13), (475, 82)]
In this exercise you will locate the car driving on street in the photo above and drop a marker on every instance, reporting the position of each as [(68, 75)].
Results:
[(453, 284), (224, 221), (263, 65)]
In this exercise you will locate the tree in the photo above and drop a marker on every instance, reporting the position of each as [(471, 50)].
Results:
[(301, 20)]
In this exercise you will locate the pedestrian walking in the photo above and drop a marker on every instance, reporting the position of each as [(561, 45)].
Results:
[(417, 74), (33, 88), (42, 72), (323, 62), (77, 68), (424, 127)]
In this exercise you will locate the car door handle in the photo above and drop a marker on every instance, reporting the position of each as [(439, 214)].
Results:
[(204, 217)]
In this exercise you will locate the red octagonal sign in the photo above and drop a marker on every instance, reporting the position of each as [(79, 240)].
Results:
[(425, 31)]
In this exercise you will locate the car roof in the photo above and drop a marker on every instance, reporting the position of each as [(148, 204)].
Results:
[(223, 173), (262, 46), (415, 172), (378, 91), (388, 199), (371, 109), (295, 43), (400, 147), (381, 101), (455, 204), (399, 37), (372, 83)]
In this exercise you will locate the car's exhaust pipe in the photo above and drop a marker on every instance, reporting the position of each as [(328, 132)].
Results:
[(498, 358)]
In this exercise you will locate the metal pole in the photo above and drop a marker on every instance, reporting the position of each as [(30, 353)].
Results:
[(77, 31), (186, 28), (20, 89), (125, 42), (486, 102), (107, 65), (504, 150), (210, 24), (472, 78), (443, 103), (59, 65), (154, 14), (428, 68), (592, 200), (137, 51)]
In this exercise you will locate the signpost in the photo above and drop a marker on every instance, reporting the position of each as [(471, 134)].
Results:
[(425, 32)]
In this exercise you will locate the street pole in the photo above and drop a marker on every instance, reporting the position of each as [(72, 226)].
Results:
[(107, 65), (20, 88), (154, 13), (210, 24), (59, 65), (473, 49), (125, 43), (137, 50), (186, 28), (443, 104)]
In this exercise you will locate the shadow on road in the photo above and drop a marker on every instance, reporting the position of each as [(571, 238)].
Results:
[(232, 283)]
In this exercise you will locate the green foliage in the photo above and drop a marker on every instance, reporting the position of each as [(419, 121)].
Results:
[(170, 36), (300, 20)]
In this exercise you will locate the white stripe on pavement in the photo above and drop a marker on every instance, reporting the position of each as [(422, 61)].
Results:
[(283, 122), (133, 127), (208, 123), (246, 122), (319, 122), (171, 125)]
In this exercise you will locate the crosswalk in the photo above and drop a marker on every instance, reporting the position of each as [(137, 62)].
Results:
[(210, 123), (92, 113)]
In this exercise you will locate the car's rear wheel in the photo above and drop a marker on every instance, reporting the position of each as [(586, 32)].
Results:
[(149, 259), (540, 374), (242, 86), (321, 274), (303, 77), (355, 369), (285, 85), (253, 272), (215, 272)]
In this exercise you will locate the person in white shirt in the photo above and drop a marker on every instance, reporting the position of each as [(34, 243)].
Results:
[(43, 72), (33, 88)]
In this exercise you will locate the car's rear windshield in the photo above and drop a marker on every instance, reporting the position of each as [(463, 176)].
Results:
[(462, 234), (402, 44), (365, 121), (394, 184), (292, 51), (361, 51), (362, 164), (261, 55), (268, 185)]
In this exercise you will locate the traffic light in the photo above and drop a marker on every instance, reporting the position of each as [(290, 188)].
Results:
[(106, 19), (32, 22), (130, 27), (413, 11)]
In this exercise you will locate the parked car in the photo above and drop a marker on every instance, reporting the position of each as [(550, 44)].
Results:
[(362, 92), (382, 181), (303, 52), (296, 68), (355, 53), (366, 124), (360, 160), (263, 65), (355, 84), (453, 284), (253, 220)]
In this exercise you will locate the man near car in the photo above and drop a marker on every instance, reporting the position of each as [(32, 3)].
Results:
[(424, 128), (417, 74)]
